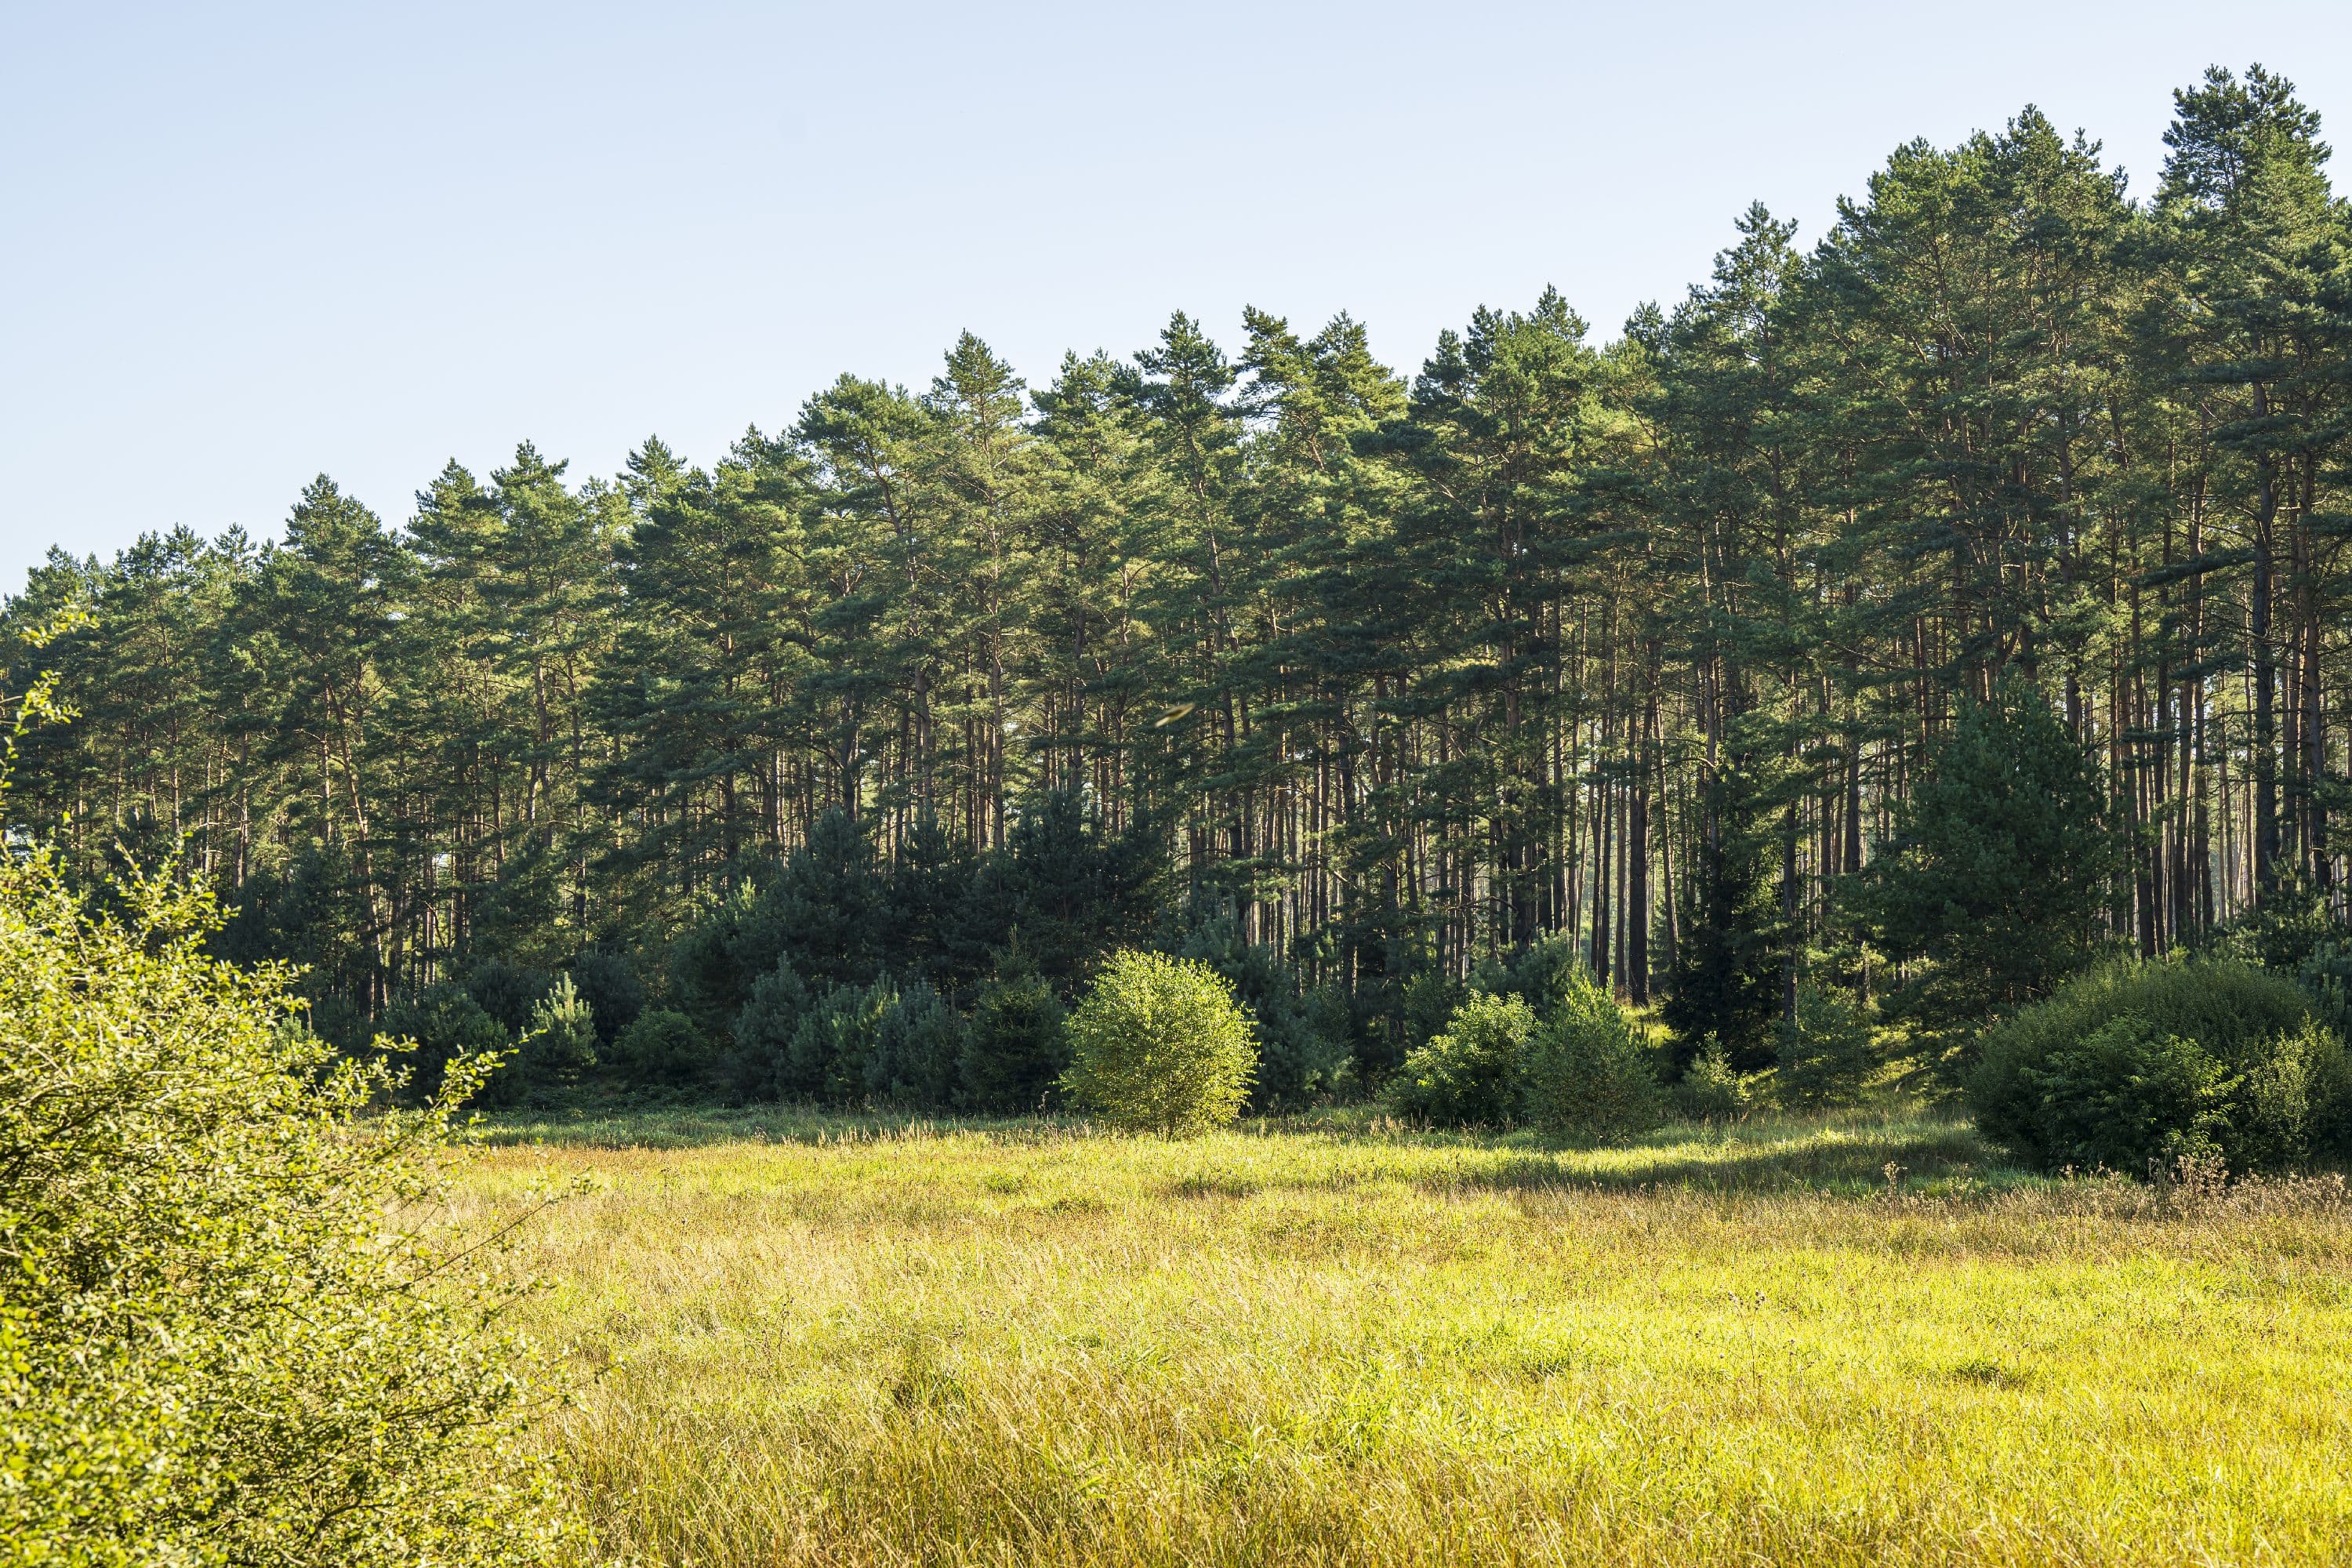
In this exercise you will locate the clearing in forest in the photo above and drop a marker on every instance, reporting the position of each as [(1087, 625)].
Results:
[(828, 1341)]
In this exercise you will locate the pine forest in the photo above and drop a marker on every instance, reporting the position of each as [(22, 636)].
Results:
[(1354, 679)]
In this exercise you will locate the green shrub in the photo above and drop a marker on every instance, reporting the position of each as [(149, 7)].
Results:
[(1545, 974), (1161, 1045), (562, 1041), (2285, 929), (1467, 1075), (851, 1044), (1587, 1071), (445, 1023), (663, 1047), (1825, 1054), (1014, 1053), (608, 983), (2327, 1054), (827, 1056), (2137, 1062), (1304, 1054), (208, 1355), (2325, 974), (2298, 1098), (1302, 1061), (1998, 873), (1710, 1089), (508, 991), (918, 1045), (1318, 1060), (2129, 1097), (1428, 1001), (760, 1064)]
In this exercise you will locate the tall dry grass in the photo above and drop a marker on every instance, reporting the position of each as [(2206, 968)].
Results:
[(1803, 1342)]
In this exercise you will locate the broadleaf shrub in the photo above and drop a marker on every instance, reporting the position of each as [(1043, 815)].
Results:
[(209, 1354), (2128, 1096), (2133, 1063), (1160, 1044)]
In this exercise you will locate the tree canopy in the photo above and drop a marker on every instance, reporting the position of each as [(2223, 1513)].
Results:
[(1653, 642)]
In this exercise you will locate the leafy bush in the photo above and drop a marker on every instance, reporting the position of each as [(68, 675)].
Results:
[(663, 1047), (917, 1049), (1014, 1054), (1586, 1070), (207, 1354), (2130, 1097), (608, 983), (1710, 1089), (1160, 1044), (561, 1042), (1467, 1075), (1825, 1051), (2134, 1062)]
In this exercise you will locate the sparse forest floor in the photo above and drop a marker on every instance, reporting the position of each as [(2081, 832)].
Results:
[(843, 1342)]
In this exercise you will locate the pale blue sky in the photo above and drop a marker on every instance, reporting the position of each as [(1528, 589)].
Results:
[(246, 244)]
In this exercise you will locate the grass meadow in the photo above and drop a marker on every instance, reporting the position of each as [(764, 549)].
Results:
[(820, 1341)]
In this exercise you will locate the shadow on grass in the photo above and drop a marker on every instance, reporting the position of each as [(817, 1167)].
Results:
[(689, 1126), (1847, 1154), (1850, 1157)]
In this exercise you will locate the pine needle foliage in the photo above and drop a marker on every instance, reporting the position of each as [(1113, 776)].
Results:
[(1588, 1071)]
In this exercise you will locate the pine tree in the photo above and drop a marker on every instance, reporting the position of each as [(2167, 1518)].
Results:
[(1995, 880)]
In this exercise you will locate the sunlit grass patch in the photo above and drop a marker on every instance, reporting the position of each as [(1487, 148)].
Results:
[(1332, 1341)]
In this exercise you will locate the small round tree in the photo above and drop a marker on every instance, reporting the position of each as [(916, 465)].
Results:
[(1160, 1044)]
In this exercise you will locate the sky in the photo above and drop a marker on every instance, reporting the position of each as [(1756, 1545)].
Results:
[(244, 244)]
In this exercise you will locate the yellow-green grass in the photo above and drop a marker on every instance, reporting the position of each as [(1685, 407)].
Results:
[(849, 1343)]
